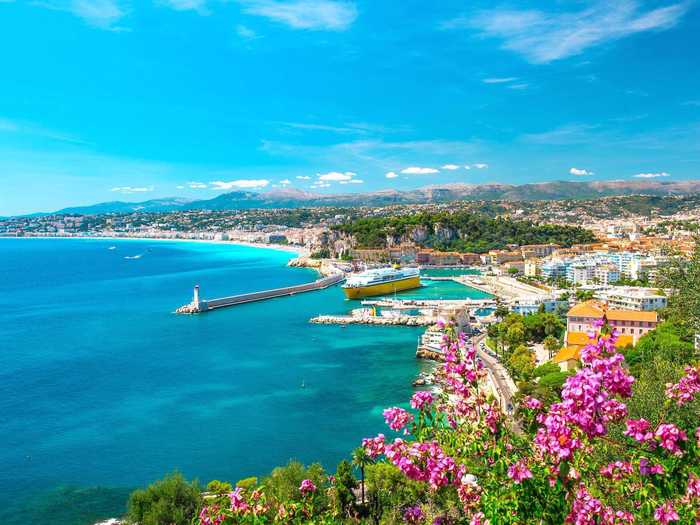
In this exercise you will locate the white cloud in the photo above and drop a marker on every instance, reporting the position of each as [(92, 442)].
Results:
[(303, 177), (240, 184), (467, 167), (354, 181), (127, 190), (179, 187), (652, 175), (320, 185), (499, 80), (187, 5), (245, 32), (391, 175), (285, 182), (580, 172), (450, 167), (543, 37), (336, 176), (415, 170), (480, 166), (197, 185), (102, 14), (317, 15)]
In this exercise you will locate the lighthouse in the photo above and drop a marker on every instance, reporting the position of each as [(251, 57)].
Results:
[(195, 298)]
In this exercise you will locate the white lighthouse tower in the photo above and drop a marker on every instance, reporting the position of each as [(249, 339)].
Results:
[(195, 298)]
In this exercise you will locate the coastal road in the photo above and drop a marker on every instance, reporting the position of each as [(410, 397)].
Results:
[(504, 384)]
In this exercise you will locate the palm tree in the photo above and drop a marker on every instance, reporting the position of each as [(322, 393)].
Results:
[(361, 459)]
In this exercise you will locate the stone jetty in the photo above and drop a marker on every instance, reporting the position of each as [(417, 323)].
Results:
[(404, 320)]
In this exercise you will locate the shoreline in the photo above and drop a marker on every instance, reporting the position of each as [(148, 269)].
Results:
[(299, 251)]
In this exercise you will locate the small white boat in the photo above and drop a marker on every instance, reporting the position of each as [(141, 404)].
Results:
[(112, 248)]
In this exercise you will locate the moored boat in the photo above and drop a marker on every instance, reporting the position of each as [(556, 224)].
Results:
[(381, 281)]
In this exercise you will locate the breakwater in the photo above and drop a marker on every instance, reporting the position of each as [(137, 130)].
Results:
[(198, 306)]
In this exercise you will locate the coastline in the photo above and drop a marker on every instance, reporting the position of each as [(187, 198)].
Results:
[(299, 251)]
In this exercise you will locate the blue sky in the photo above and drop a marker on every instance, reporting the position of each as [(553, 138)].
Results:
[(131, 100)]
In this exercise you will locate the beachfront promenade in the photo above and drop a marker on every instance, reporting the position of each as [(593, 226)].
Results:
[(198, 306)]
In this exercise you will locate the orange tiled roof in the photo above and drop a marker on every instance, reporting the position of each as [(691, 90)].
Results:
[(596, 309), (580, 339), (567, 354)]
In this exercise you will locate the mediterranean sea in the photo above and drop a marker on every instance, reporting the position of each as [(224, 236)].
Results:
[(103, 389)]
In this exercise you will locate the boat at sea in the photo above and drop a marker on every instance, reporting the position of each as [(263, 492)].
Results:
[(381, 281)]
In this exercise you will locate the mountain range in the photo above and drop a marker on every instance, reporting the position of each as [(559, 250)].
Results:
[(293, 198)]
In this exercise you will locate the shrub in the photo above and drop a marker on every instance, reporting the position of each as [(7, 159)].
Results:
[(170, 501)]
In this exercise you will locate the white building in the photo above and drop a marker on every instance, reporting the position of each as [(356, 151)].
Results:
[(632, 298)]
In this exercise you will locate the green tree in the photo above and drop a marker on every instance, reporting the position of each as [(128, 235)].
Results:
[(170, 501), (345, 483), (361, 459), (551, 344), (682, 277)]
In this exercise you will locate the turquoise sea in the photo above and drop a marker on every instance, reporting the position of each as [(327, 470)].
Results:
[(103, 388)]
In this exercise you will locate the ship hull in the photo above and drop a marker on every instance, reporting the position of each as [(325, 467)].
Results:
[(388, 288)]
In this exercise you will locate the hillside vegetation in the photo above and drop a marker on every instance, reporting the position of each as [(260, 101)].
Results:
[(459, 231)]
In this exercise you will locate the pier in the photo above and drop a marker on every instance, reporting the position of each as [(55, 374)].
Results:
[(198, 305)]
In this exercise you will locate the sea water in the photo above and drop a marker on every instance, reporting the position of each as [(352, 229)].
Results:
[(104, 389)]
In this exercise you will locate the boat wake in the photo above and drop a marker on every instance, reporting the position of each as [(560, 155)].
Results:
[(133, 256)]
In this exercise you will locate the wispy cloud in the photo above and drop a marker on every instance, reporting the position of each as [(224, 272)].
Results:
[(187, 5), (29, 128), (543, 37), (246, 33), (336, 176), (102, 14), (416, 170), (580, 172), (499, 80), (240, 184), (651, 175), (303, 177), (129, 190), (197, 185), (316, 15), (450, 167), (480, 165), (391, 175)]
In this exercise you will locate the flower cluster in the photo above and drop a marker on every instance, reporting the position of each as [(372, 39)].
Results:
[(685, 390), (421, 400), (307, 487), (397, 418), (519, 472)]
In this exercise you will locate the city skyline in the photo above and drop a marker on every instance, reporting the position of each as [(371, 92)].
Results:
[(132, 101)]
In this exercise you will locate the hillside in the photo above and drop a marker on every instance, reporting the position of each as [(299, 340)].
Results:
[(291, 198)]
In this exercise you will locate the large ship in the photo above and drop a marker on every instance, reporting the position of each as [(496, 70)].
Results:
[(381, 281)]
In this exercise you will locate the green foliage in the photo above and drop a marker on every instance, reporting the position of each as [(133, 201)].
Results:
[(461, 231), (389, 491), (545, 368), (682, 276), (522, 362), (247, 483), (219, 487), (345, 482), (669, 341), (170, 501), (323, 253), (283, 483), (554, 380)]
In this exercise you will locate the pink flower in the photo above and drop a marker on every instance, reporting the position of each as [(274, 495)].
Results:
[(638, 429), (666, 513), (519, 472), (532, 403), (421, 400), (693, 486), (374, 446), (645, 469), (585, 508), (397, 418), (684, 391), (413, 514), (617, 470), (669, 435), (238, 503), (307, 487)]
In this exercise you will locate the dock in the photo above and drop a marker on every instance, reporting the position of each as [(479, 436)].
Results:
[(198, 305)]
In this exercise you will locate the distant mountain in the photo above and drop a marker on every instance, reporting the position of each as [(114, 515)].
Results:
[(292, 198), (155, 205)]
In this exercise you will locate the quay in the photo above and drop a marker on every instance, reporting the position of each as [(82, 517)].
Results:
[(402, 320), (198, 305)]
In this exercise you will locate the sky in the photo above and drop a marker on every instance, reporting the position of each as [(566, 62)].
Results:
[(105, 100)]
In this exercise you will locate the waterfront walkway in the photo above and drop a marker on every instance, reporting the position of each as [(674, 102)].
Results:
[(198, 306)]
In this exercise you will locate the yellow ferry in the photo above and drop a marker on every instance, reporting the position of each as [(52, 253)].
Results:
[(381, 281)]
